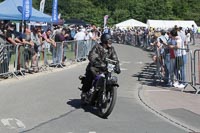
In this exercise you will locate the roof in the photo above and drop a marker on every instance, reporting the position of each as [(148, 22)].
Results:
[(9, 11), (170, 23), (131, 23), (75, 21)]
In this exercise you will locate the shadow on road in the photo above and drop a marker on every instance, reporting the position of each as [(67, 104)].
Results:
[(149, 76), (76, 103)]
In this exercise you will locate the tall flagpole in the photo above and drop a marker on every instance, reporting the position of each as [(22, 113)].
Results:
[(105, 20), (55, 11), (26, 12), (42, 4)]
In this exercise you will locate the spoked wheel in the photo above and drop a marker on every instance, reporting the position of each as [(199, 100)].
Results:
[(83, 100), (107, 102)]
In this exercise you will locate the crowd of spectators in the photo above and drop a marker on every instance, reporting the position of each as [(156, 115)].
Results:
[(34, 43), (170, 47)]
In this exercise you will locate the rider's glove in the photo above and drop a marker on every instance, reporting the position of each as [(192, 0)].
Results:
[(103, 67), (117, 69)]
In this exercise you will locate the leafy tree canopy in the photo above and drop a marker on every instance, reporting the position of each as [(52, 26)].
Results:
[(92, 11)]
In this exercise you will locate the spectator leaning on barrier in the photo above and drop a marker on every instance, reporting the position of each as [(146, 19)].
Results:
[(37, 40), (47, 42), (30, 53), (59, 38), (176, 45), (15, 38), (10, 36)]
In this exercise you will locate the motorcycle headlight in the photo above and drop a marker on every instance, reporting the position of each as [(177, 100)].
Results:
[(110, 67), (113, 80)]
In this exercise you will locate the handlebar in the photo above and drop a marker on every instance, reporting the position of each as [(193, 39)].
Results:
[(111, 61)]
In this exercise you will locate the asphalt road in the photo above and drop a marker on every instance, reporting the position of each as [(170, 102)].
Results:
[(49, 102)]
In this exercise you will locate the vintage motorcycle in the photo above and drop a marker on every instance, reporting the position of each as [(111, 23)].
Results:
[(103, 93)]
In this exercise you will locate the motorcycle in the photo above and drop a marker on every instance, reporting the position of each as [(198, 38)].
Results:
[(103, 93)]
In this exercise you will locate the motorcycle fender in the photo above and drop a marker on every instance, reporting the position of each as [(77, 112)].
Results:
[(115, 84)]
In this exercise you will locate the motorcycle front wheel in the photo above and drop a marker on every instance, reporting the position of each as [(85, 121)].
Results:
[(107, 102)]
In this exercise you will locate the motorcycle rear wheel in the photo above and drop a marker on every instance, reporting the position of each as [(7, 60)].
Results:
[(106, 106)]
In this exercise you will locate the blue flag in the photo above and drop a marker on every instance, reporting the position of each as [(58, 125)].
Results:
[(27, 9), (55, 11)]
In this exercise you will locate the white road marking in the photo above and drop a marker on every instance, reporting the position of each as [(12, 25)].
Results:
[(140, 62), (124, 62), (123, 69), (156, 90), (18, 123)]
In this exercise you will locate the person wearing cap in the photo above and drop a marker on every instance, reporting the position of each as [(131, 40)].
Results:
[(13, 38), (10, 34)]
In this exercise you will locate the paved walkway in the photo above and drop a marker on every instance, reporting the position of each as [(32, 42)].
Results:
[(182, 108)]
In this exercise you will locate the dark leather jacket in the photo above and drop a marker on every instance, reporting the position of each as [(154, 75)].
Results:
[(98, 54)]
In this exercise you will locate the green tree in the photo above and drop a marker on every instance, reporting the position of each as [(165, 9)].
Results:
[(92, 11)]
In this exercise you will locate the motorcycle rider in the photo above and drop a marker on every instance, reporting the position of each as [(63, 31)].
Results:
[(97, 63)]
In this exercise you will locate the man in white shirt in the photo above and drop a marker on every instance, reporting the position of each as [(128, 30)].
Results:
[(80, 35), (81, 47)]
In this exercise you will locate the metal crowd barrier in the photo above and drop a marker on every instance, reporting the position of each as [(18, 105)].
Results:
[(19, 63), (15, 60), (185, 69), (196, 74), (4, 61), (82, 48), (132, 38), (8, 60)]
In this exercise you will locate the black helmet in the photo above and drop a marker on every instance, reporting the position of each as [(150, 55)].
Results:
[(105, 37)]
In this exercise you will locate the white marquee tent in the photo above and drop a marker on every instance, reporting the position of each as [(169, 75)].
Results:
[(130, 23), (170, 23)]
